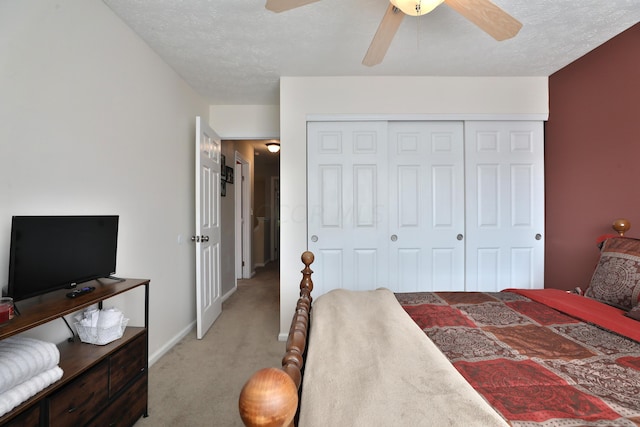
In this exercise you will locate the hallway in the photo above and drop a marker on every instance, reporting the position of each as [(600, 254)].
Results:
[(197, 383)]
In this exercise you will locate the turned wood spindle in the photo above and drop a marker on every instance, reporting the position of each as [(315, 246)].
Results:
[(621, 226), (270, 397)]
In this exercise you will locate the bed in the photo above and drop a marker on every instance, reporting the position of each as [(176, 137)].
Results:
[(539, 358)]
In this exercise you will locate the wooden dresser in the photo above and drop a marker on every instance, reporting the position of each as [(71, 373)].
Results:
[(101, 385)]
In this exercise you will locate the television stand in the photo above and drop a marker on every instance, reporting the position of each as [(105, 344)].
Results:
[(116, 278), (101, 385)]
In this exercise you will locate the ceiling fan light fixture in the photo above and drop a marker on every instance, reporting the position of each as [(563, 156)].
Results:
[(273, 147), (416, 7)]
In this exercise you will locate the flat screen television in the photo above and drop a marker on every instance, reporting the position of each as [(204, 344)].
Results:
[(55, 252)]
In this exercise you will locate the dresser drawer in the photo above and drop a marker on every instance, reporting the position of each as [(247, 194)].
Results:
[(29, 418), (126, 363), (126, 409), (81, 399)]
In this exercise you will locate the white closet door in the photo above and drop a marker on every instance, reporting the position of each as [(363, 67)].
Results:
[(505, 205), (426, 199), (347, 204)]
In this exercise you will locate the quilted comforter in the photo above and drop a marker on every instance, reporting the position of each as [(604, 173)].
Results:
[(536, 365)]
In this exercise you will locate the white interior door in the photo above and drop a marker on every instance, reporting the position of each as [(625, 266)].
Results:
[(347, 205), (426, 199), (505, 205), (207, 238)]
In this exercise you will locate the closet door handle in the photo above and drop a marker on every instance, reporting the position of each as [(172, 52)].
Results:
[(314, 238), (538, 236), (459, 237), (394, 238)]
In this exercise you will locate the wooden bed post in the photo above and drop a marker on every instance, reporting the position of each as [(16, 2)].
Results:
[(270, 397), (621, 225)]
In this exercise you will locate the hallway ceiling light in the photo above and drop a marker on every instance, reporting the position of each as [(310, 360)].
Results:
[(274, 147)]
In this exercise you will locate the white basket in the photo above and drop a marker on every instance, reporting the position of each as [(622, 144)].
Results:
[(101, 336)]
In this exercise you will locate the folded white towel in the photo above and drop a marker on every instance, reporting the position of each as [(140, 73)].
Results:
[(23, 358), (103, 319), (109, 317), (18, 394)]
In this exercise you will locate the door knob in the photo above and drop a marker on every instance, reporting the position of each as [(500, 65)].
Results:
[(459, 237), (394, 238), (314, 238), (538, 236), (195, 239), (204, 238)]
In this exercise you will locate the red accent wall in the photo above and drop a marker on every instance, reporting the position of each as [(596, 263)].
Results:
[(592, 156)]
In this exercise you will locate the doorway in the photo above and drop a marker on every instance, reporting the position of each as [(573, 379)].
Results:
[(256, 206)]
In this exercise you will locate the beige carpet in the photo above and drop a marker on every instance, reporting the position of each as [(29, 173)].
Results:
[(197, 383)]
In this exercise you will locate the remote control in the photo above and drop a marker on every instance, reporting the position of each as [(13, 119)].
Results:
[(81, 291)]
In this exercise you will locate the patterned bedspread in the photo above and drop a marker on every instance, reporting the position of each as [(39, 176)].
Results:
[(536, 366)]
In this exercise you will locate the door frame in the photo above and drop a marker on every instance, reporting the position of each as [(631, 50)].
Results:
[(274, 227), (242, 210)]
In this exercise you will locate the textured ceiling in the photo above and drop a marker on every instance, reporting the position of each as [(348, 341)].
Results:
[(234, 51)]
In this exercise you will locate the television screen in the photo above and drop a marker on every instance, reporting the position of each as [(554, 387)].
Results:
[(54, 252)]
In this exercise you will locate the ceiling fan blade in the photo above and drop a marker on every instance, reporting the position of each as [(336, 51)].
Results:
[(282, 5), (489, 17), (383, 37)]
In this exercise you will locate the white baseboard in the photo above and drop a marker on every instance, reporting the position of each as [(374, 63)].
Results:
[(153, 358), (228, 294)]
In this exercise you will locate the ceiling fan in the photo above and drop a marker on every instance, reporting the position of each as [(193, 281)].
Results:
[(486, 15)]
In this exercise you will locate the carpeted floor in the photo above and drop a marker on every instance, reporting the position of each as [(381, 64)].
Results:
[(197, 383)]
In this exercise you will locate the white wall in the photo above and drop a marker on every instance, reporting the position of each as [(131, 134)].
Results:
[(246, 121), (412, 98), (93, 122)]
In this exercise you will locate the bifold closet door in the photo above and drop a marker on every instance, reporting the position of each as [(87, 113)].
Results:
[(347, 204), (504, 205), (426, 200)]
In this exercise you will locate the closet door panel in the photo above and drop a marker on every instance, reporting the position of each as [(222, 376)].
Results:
[(522, 267), (505, 205), (522, 195), (444, 197), (409, 274), (408, 196), (426, 199), (328, 265), (444, 268), (330, 178), (486, 268), (487, 195), (347, 204)]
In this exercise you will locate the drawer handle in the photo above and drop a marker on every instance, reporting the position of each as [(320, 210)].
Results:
[(124, 367), (75, 408)]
